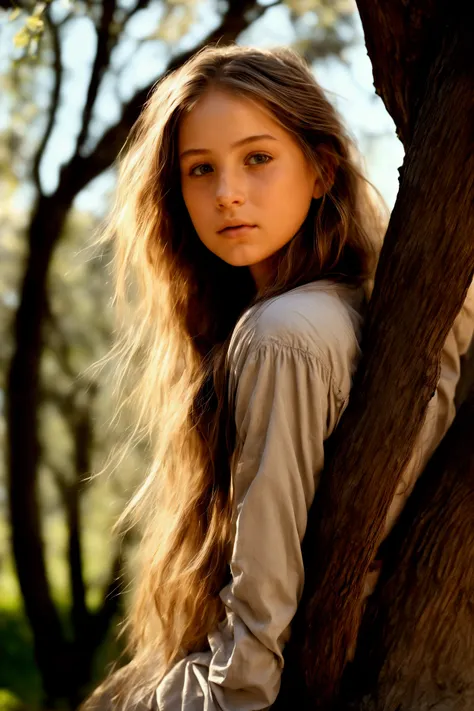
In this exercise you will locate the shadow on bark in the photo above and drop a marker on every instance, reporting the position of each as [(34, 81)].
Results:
[(416, 646)]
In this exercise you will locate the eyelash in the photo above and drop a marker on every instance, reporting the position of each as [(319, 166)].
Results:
[(263, 155)]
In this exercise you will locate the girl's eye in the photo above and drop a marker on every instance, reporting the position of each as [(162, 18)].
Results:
[(260, 159), (200, 170), (205, 168)]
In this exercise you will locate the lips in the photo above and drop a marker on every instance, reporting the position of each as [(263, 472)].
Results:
[(236, 228)]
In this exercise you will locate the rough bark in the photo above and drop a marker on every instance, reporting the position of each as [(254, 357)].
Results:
[(402, 40), (416, 649), (425, 269)]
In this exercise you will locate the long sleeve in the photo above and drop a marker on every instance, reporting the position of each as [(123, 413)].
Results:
[(286, 404)]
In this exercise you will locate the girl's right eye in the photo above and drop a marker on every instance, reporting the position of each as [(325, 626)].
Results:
[(200, 170)]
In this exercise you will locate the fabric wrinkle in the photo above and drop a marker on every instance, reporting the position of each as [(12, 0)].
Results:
[(291, 363)]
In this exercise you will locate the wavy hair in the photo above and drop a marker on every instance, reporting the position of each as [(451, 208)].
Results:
[(178, 304)]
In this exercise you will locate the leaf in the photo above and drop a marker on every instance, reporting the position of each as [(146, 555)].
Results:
[(33, 48), (345, 7), (14, 14), (327, 16), (300, 7), (35, 24), (39, 9), (22, 38)]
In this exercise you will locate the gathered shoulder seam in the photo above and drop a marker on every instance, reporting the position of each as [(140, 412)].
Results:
[(314, 358)]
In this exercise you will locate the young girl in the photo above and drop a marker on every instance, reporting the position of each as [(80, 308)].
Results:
[(245, 242)]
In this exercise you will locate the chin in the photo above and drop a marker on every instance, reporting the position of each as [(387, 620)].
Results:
[(238, 262), (244, 259)]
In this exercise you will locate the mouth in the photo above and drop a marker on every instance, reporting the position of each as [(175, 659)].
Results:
[(236, 230)]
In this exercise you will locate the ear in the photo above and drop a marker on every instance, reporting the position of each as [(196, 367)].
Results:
[(318, 190), (324, 179)]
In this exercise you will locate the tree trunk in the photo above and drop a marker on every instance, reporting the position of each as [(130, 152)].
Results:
[(23, 451), (425, 268), (416, 647), (83, 442)]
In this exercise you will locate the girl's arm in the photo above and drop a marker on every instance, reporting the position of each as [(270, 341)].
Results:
[(286, 405)]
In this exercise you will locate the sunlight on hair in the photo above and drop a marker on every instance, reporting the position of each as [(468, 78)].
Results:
[(176, 307)]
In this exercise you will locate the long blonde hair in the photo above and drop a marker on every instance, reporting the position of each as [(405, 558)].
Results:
[(178, 304)]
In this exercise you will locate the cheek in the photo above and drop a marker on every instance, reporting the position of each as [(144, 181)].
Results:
[(283, 176), (195, 198), (287, 189), (198, 211), (190, 201), (186, 192)]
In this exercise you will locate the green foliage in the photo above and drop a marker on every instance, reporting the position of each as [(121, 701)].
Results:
[(19, 677), (29, 35), (20, 681), (10, 702)]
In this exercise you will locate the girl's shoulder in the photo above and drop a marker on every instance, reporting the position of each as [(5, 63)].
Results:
[(321, 320)]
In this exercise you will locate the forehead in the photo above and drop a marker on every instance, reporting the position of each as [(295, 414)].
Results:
[(222, 118)]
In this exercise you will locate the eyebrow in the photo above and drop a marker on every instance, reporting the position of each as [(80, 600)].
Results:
[(248, 139)]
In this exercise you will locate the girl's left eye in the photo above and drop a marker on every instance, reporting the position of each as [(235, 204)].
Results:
[(261, 159)]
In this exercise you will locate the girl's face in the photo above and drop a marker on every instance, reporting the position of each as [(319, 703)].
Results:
[(245, 181)]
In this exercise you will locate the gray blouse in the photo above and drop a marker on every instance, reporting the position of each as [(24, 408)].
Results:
[(291, 362)]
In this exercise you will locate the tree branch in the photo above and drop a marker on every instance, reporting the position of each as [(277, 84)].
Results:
[(70, 494), (58, 77), (22, 4), (59, 478), (140, 5), (82, 170), (78, 417), (101, 62)]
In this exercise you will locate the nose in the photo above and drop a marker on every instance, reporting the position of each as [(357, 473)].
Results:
[(229, 191)]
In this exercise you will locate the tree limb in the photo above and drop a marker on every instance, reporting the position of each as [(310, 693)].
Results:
[(101, 62), (58, 77), (60, 480), (22, 4), (82, 170), (140, 5), (70, 493)]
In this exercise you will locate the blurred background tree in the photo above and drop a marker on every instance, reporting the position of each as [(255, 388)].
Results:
[(74, 76)]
